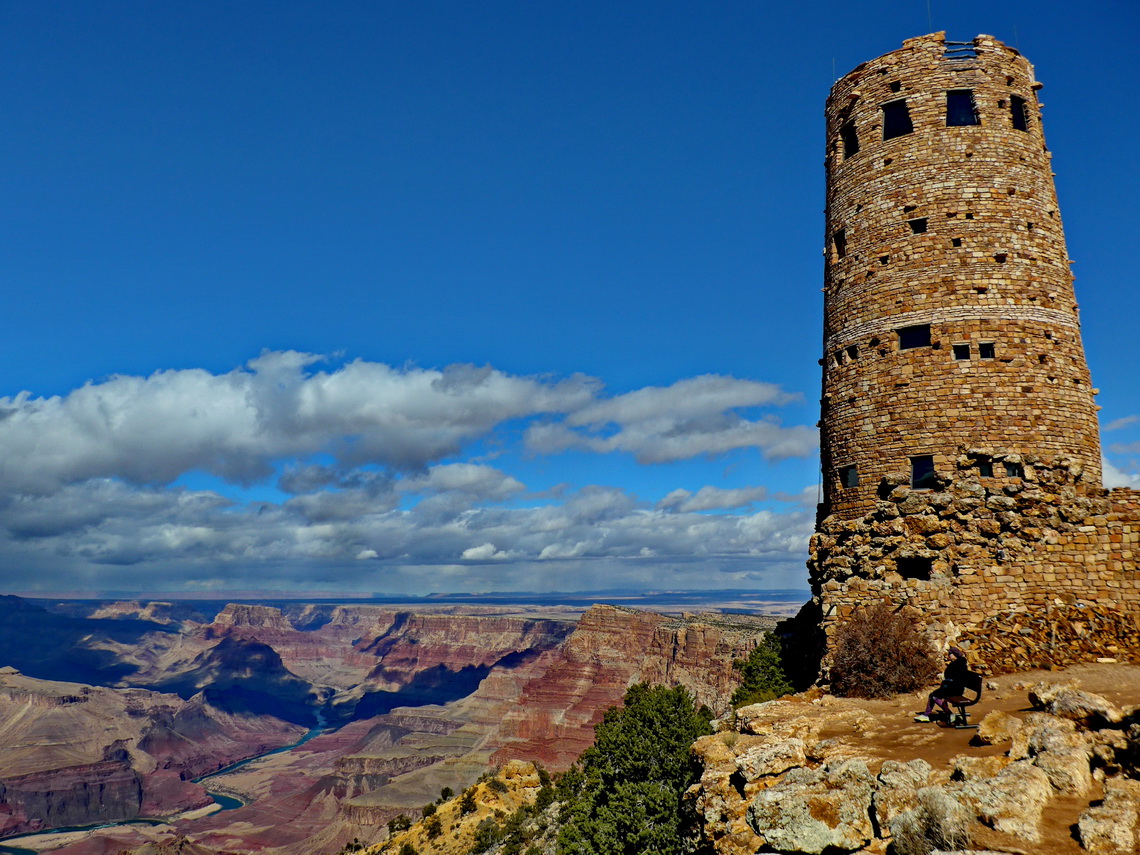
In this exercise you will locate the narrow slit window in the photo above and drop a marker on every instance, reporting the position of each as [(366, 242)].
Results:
[(896, 120), (922, 475), (848, 476), (960, 108), (1014, 470), (850, 139), (1017, 109), (917, 225), (986, 350), (840, 241), (961, 351), (916, 336), (838, 357)]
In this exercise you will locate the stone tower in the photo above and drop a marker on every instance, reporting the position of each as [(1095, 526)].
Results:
[(950, 322), (960, 450)]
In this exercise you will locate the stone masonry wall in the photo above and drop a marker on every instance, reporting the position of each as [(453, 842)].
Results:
[(975, 547), (954, 227)]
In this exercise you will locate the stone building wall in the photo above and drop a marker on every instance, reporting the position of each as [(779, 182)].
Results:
[(951, 335), (955, 228)]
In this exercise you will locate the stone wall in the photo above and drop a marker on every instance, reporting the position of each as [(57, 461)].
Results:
[(975, 546), (954, 228)]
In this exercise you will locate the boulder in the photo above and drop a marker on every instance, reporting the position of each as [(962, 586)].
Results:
[(1083, 707), (897, 791), (1012, 801), (969, 768), (771, 758), (812, 812), (1060, 752), (1113, 827), (998, 727)]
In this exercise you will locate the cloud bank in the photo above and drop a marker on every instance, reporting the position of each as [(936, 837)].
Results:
[(376, 482)]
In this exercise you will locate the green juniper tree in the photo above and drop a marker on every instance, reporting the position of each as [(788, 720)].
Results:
[(624, 795)]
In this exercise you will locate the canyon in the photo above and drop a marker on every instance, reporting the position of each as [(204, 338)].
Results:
[(395, 704)]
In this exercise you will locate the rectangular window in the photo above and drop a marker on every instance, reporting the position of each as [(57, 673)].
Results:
[(1017, 108), (896, 120), (916, 336), (986, 350), (838, 357), (852, 351), (917, 226), (922, 475), (961, 351), (840, 241), (914, 567), (1014, 470), (986, 468), (850, 139), (960, 109), (848, 476)]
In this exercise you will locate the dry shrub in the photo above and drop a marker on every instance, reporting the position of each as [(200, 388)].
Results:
[(937, 823), (879, 652)]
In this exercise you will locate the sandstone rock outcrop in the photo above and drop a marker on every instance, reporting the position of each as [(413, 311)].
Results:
[(817, 774)]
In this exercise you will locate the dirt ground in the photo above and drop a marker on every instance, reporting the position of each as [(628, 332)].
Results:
[(894, 735)]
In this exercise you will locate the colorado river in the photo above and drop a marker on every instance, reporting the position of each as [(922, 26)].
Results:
[(10, 845)]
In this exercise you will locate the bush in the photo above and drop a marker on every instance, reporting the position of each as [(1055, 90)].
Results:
[(879, 652), (408, 849), (399, 823), (446, 793), (762, 674), (498, 785), (486, 835), (467, 802), (428, 810), (433, 827), (937, 823)]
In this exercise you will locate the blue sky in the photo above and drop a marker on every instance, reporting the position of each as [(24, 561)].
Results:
[(447, 296)]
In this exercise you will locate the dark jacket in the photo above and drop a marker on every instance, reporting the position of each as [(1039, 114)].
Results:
[(954, 680)]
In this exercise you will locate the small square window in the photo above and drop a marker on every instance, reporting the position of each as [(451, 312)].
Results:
[(960, 109), (850, 139), (986, 468), (848, 476), (961, 351), (917, 226), (1014, 470), (955, 241), (852, 351), (986, 350), (896, 120), (922, 475), (916, 336)]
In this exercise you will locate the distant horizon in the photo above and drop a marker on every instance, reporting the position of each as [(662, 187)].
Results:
[(325, 597)]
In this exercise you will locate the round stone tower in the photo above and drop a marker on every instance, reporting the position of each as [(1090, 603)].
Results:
[(950, 323)]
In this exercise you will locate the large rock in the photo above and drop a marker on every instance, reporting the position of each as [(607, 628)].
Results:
[(998, 727), (897, 790), (1060, 752), (1012, 801), (1113, 827), (771, 758), (1067, 701), (814, 812)]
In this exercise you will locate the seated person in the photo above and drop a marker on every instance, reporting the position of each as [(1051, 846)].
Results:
[(953, 684)]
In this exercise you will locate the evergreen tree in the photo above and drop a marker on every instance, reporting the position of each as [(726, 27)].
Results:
[(624, 796), (762, 674)]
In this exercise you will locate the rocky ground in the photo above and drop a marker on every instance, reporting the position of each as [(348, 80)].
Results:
[(1042, 774)]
